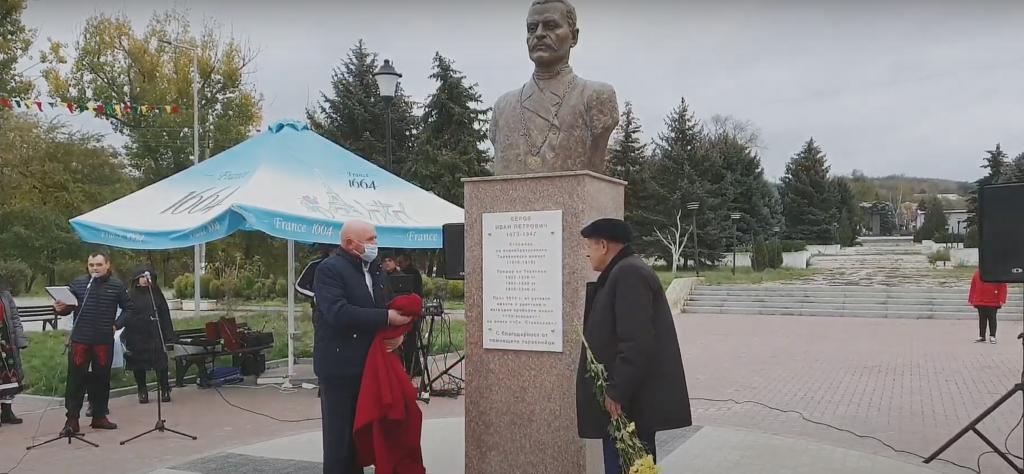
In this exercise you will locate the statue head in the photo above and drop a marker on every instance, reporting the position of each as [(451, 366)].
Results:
[(551, 32)]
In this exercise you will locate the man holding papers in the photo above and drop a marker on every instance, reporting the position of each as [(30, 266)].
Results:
[(98, 297)]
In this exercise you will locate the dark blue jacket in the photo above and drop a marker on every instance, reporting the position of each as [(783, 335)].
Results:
[(94, 322), (348, 317)]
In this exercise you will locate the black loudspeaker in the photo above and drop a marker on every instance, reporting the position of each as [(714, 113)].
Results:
[(454, 240), (1001, 233)]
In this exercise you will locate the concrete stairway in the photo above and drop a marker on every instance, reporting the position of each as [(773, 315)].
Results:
[(842, 301), (873, 257)]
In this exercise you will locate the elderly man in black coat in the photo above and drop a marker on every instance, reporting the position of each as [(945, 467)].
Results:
[(628, 325), (352, 293)]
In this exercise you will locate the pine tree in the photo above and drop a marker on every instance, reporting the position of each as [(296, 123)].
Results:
[(848, 211), (628, 160), (749, 193), (677, 151), (808, 201), (935, 225), (452, 129), (355, 117), (1016, 168), (996, 164)]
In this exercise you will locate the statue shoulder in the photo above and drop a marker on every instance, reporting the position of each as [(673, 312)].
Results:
[(506, 100), (602, 105)]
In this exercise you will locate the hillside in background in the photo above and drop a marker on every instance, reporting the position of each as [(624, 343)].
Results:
[(889, 187)]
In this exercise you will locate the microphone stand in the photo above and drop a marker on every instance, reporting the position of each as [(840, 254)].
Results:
[(161, 424), (69, 432)]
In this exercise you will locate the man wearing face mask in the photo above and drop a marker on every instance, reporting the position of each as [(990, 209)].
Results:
[(352, 293), (628, 325)]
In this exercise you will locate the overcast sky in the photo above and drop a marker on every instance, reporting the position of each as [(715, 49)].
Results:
[(914, 87)]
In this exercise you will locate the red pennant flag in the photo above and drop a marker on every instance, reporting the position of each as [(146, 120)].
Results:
[(7, 103), (127, 108), (39, 105), (99, 109), (71, 107), (174, 109)]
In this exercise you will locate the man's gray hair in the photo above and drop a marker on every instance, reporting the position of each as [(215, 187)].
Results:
[(570, 11)]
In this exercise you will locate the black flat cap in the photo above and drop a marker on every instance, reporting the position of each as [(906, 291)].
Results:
[(612, 230)]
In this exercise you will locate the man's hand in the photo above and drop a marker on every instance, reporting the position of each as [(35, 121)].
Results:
[(396, 319), (614, 409), (59, 306), (391, 344)]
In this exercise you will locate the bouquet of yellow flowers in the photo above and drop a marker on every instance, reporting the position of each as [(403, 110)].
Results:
[(633, 456)]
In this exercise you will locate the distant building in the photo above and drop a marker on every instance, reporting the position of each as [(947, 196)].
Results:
[(955, 207)]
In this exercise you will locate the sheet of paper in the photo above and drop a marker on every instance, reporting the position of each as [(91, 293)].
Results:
[(62, 294)]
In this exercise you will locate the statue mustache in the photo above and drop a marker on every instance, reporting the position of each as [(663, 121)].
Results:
[(539, 43)]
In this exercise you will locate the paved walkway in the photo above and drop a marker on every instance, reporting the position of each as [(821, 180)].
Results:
[(698, 450), (912, 383)]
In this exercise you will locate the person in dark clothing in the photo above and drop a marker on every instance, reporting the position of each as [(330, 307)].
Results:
[(149, 319), (99, 296), (389, 266), (352, 293), (13, 340), (411, 357), (304, 284), (628, 325)]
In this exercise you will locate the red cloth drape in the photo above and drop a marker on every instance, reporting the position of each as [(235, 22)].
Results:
[(988, 295), (388, 420)]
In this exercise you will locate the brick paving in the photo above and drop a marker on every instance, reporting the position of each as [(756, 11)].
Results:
[(910, 383)]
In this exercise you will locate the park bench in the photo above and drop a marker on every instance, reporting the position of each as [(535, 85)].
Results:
[(42, 314)]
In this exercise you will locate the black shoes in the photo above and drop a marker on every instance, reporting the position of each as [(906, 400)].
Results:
[(7, 416)]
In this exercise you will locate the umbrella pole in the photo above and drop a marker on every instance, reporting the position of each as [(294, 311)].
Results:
[(291, 308)]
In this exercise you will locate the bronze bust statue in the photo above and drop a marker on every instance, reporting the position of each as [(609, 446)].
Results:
[(557, 121)]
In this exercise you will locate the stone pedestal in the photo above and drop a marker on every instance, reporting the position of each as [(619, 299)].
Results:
[(521, 405)]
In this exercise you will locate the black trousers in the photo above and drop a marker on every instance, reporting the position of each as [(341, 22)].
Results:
[(987, 316), (412, 358), (338, 409), (163, 378), (80, 381)]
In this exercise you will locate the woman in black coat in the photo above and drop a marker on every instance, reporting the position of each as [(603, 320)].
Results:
[(144, 349)]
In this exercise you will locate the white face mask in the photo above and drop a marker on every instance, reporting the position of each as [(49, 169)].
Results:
[(369, 252)]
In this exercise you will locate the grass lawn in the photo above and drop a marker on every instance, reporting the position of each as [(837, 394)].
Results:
[(950, 270), (724, 276), (46, 364)]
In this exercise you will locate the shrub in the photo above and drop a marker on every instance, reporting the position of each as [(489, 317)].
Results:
[(17, 274), (940, 255), (456, 290), (428, 287), (766, 255), (792, 245), (184, 287), (282, 288), (215, 289)]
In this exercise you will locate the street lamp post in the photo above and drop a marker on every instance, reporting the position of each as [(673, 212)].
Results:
[(735, 218), (387, 83), (195, 155), (693, 206)]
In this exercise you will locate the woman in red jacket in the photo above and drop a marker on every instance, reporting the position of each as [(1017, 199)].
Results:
[(987, 298)]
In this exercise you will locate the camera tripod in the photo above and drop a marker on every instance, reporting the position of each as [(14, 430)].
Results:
[(161, 424), (973, 425)]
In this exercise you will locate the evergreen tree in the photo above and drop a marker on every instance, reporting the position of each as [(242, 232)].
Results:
[(1016, 169), (848, 211), (452, 129), (996, 164), (935, 224), (749, 193), (687, 170), (808, 201), (355, 117), (629, 161)]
